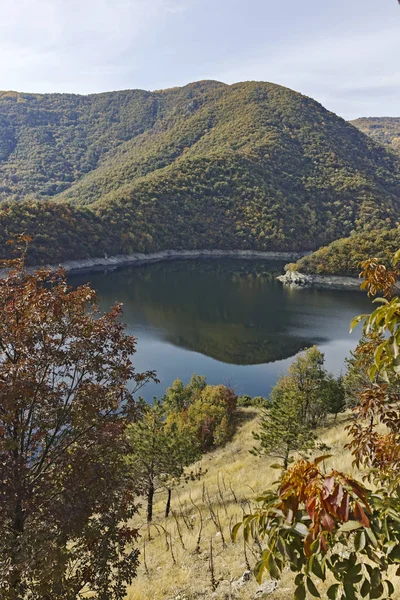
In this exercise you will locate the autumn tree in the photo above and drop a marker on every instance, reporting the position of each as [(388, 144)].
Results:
[(65, 499), (200, 411)]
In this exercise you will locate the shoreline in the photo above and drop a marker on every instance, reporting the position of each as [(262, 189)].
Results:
[(111, 263), (334, 282), (293, 279)]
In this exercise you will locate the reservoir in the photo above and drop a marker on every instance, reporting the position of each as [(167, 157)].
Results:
[(227, 319)]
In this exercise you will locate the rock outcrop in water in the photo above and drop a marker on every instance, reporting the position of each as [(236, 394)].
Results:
[(296, 279)]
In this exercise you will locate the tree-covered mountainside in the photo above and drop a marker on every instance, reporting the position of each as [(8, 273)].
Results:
[(247, 166), (385, 130), (343, 256)]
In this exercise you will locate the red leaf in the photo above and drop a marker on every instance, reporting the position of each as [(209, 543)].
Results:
[(337, 496), (343, 510), (327, 522), (328, 486), (360, 515)]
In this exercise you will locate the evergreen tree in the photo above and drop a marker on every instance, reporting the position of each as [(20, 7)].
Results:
[(299, 402), (282, 430), (161, 452)]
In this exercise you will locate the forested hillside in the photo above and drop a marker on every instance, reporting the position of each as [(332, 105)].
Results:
[(385, 130), (247, 166), (343, 256)]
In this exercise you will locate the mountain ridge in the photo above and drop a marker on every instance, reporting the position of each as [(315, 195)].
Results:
[(252, 166), (384, 130)]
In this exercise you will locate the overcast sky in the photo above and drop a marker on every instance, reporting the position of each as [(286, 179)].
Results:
[(343, 53)]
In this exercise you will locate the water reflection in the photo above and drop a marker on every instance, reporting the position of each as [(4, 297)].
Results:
[(227, 319)]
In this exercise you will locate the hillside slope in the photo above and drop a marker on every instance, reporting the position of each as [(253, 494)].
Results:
[(385, 130), (247, 166), (343, 257), (205, 510)]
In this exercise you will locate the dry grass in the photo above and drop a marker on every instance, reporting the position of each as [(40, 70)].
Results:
[(175, 563)]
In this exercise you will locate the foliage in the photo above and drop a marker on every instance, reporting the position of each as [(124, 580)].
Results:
[(202, 412), (320, 522), (343, 257), (299, 402), (258, 401), (159, 453), (248, 166), (282, 429), (65, 499), (317, 392), (385, 130)]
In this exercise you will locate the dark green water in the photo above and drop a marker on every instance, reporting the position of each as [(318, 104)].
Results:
[(227, 319)]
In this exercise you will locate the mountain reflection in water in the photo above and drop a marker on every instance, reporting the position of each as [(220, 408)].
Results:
[(230, 320)]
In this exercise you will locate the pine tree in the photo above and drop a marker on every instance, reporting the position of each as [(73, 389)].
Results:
[(161, 452), (283, 431)]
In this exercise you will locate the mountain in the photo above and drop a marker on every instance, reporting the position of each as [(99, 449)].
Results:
[(247, 166), (385, 130)]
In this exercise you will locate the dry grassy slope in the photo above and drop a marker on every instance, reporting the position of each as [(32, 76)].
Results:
[(183, 573)]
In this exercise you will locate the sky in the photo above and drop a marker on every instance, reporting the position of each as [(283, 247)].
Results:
[(343, 53)]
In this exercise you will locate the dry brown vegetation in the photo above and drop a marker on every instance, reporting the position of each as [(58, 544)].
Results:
[(176, 562)]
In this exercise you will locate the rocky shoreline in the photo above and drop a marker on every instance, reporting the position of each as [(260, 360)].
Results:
[(290, 278), (110, 263), (296, 279)]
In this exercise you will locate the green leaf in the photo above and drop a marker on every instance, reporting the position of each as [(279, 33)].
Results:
[(349, 590), (359, 541), (394, 554), (365, 588), (235, 531), (371, 536), (312, 589), (354, 575), (356, 321), (272, 566), (300, 592), (333, 592), (317, 569), (258, 570), (376, 577), (376, 592), (390, 587), (350, 526)]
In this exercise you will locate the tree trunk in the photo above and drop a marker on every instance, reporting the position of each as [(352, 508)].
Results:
[(150, 498), (18, 527), (168, 506), (286, 458)]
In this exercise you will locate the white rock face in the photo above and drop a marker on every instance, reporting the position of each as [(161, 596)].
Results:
[(296, 279), (266, 589)]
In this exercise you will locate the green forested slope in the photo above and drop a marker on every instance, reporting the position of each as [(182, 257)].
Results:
[(249, 166), (385, 130), (343, 256)]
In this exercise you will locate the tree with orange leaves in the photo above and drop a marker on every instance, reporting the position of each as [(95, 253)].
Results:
[(318, 522)]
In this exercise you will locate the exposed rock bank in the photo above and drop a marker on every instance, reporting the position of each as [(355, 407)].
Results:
[(122, 260), (296, 279)]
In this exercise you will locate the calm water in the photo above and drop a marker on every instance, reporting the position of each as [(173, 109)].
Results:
[(227, 319)]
